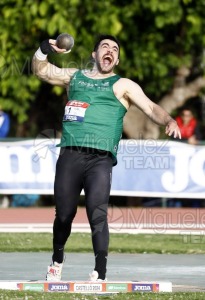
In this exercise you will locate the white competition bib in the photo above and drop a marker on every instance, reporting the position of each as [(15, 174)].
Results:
[(75, 111)]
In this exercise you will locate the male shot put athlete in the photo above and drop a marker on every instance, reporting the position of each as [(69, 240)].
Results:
[(92, 126)]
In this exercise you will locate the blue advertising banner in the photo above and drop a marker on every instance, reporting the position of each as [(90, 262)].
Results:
[(145, 168), (159, 168)]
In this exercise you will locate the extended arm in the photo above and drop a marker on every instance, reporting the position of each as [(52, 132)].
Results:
[(47, 71), (156, 113)]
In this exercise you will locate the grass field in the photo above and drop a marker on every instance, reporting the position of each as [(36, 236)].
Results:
[(16, 295), (119, 243)]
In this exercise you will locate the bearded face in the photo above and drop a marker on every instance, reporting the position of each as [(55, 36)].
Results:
[(106, 56)]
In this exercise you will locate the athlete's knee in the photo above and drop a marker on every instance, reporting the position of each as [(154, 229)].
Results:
[(65, 218), (98, 223), (98, 215)]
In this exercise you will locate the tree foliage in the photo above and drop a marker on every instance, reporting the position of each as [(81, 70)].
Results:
[(158, 37)]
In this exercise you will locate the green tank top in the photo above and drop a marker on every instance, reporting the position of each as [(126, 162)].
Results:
[(93, 115)]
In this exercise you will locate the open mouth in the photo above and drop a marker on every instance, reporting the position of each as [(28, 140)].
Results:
[(107, 60)]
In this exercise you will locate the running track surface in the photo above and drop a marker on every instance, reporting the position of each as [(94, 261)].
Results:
[(131, 219)]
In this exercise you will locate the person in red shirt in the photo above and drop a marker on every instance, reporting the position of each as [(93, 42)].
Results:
[(190, 133), (188, 126)]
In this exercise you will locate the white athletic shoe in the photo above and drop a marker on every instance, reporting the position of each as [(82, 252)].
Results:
[(94, 277), (54, 272)]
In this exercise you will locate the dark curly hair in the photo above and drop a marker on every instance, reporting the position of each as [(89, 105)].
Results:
[(105, 37)]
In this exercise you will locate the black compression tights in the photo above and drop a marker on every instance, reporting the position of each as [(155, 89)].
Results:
[(90, 170)]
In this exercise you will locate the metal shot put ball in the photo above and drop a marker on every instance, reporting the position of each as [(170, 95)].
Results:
[(65, 41)]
